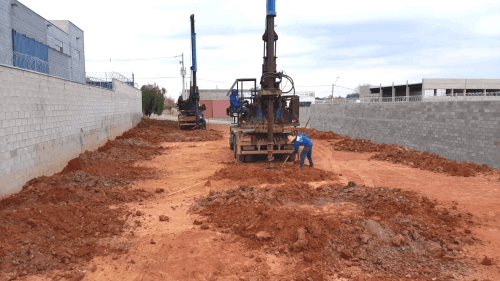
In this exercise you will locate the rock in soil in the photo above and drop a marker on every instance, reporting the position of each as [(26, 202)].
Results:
[(487, 261), (433, 248), (164, 218), (263, 235), (308, 258), (398, 240)]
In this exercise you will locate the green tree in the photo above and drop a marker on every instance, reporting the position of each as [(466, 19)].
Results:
[(153, 99)]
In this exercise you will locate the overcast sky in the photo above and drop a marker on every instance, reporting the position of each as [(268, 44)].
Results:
[(359, 41)]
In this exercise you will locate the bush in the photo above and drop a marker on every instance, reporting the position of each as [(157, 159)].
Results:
[(151, 103)]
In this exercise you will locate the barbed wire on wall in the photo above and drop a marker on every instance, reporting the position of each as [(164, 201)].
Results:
[(109, 76), (105, 79), (32, 63)]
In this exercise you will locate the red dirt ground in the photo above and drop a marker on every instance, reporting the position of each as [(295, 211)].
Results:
[(253, 174), (100, 219)]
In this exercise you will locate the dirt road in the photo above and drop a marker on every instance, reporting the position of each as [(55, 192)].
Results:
[(209, 232)]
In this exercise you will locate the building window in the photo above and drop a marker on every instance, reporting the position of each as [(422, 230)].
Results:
[(58, 45), (305, 104), (77, 54)]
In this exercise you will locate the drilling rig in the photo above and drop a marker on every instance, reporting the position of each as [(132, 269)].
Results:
[(190, 111), (261, 131)]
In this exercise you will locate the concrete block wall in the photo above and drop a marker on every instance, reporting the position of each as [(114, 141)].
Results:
[(459, 130), (46, 121), (304, 115)]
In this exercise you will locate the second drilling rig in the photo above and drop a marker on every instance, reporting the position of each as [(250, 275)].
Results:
[(191, 113), (259, 129)]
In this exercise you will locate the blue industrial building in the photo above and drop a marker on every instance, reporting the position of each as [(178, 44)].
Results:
[(29, 41)]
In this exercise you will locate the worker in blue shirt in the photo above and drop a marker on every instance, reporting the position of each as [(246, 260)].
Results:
[(237, 106), (302, 140)]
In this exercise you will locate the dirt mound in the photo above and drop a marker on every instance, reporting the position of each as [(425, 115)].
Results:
[(317, 135), (362, 145), (158, 131), (350, 232), (432, 162), (416, 159), (259, 173), (111, 165)]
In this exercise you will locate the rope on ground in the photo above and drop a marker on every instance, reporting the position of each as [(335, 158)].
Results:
[(184, 189)]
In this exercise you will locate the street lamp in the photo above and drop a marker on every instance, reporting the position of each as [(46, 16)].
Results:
[(333, 86)]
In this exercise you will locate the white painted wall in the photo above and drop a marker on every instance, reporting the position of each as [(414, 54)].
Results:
[(46, 121)]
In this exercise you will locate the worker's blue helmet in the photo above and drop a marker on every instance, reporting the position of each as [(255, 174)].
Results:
[(234, 92)]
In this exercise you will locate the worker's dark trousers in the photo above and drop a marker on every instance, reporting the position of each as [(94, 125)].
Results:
[(243, 110), (306, 151)]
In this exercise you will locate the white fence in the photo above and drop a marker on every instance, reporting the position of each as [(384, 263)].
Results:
[(371, 99), (462, 98), (495, 96)]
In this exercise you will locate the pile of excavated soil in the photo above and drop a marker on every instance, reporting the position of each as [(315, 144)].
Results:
[(362, 145), (317, 135), (158, 131), (432, 162), (417, 159), (350, 232), (259, 173)]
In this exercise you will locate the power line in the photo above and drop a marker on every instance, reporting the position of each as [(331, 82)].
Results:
[(111, 60), (160, 77), (213, 81), (317, 86), (324, 86)]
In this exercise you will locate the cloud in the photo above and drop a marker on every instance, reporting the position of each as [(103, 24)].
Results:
[(488, 25)]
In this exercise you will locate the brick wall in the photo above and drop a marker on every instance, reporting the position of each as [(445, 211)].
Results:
[(47, 121), (459, 130)]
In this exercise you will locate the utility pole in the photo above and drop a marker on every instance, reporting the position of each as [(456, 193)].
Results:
[(183, 73), (333, 86)]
